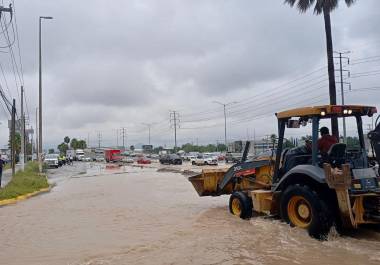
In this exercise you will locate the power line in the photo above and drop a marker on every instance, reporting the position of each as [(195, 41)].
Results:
[(174, 121), (123, 135)]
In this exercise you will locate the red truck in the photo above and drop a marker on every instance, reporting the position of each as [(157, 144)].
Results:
[(112, 155)]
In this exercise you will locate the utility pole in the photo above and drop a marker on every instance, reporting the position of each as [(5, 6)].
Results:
[(13, 137), (22, 135), (40, 96), (88, 140), (117, 137), (342, 83), (149, 127), (174, 120), (123, 134), (36, 147), (31, 142), (254, 140), (99, 139), (225, 118)]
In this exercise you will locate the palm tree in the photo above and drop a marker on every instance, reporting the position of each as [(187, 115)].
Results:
[(325, 7)]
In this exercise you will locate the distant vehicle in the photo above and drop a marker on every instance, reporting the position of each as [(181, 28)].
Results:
[(221, 157), (87, 159), (154, 156), (99, 159), (127, 159), (99, 155), (143, 160), (204, 160), (52, 160), (189, 157), (233, 157), (71, 153), (79, 154), (172, 159), (112, 155)]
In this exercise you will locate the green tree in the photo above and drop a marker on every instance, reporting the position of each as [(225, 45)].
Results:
[(66, 140), (132, 148), (51, 151), (325, 7), (353, 143), (63, 147), (17, 143), (273, 140), (81, 144), (74, 143), (157, 149), (222, 148), (288, 144), (77, 144)]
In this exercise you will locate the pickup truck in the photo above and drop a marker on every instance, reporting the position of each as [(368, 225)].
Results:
[(233, 157), (204, 160), (52, 160), (172, 159)]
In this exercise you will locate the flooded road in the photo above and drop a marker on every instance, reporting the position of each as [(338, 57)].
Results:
[(140, 216)]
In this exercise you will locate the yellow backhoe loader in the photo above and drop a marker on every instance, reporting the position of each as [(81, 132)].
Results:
[(309, 190)]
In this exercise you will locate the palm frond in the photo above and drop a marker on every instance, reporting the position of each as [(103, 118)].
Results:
[(320, 5)]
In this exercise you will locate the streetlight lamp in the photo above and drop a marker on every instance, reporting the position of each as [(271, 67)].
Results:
[(149, 125), (225, 118), (40, 98)]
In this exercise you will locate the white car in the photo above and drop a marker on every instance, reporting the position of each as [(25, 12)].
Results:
[(128, 160), (87, 159), (99, 159), (204, 160), (52, 160)]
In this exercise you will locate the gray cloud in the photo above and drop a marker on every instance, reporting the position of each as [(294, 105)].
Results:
[(109, 64)]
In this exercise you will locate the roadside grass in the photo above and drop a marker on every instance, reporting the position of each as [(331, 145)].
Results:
[(24, 182)]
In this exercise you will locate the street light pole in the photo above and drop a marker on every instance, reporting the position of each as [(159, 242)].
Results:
[(149, 125), (225, 118), (40, 97)]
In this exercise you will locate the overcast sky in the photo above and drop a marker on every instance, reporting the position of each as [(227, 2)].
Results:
[(121, 63)]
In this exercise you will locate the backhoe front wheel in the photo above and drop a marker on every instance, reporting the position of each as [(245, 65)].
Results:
[(302, 207), (241, 205)]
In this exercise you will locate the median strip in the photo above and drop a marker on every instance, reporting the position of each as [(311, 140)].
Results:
[(25, 184)]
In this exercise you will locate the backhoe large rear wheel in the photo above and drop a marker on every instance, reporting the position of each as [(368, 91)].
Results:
[(303, 208), (241, 205)]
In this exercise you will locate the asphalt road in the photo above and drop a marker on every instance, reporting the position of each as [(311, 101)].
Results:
[(138, 215)]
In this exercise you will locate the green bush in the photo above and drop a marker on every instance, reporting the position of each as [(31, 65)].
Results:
[(24, 182)]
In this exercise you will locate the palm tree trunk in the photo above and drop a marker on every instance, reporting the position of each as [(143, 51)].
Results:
[(331, 70)]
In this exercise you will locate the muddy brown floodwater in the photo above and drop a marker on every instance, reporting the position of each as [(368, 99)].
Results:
[(145, 217)]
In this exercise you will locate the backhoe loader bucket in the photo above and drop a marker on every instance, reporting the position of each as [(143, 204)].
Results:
[(206, 183)]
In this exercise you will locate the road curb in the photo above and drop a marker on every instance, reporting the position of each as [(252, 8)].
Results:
[(25, 196)]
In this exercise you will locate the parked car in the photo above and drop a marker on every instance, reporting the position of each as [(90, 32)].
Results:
[(204, 160), (99, 158), (171, 159), (87, 159), (127, 159), (233, 157), (52, 160), (143, 160)]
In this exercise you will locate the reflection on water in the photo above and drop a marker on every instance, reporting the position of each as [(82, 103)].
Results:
[(138, 216)]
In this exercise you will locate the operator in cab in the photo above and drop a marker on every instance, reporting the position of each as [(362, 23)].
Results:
[(326, 140)]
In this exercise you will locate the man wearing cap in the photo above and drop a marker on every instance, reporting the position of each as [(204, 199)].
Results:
[(326, 140)]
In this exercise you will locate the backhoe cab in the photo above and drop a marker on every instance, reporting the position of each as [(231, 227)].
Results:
[(307, 189)]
